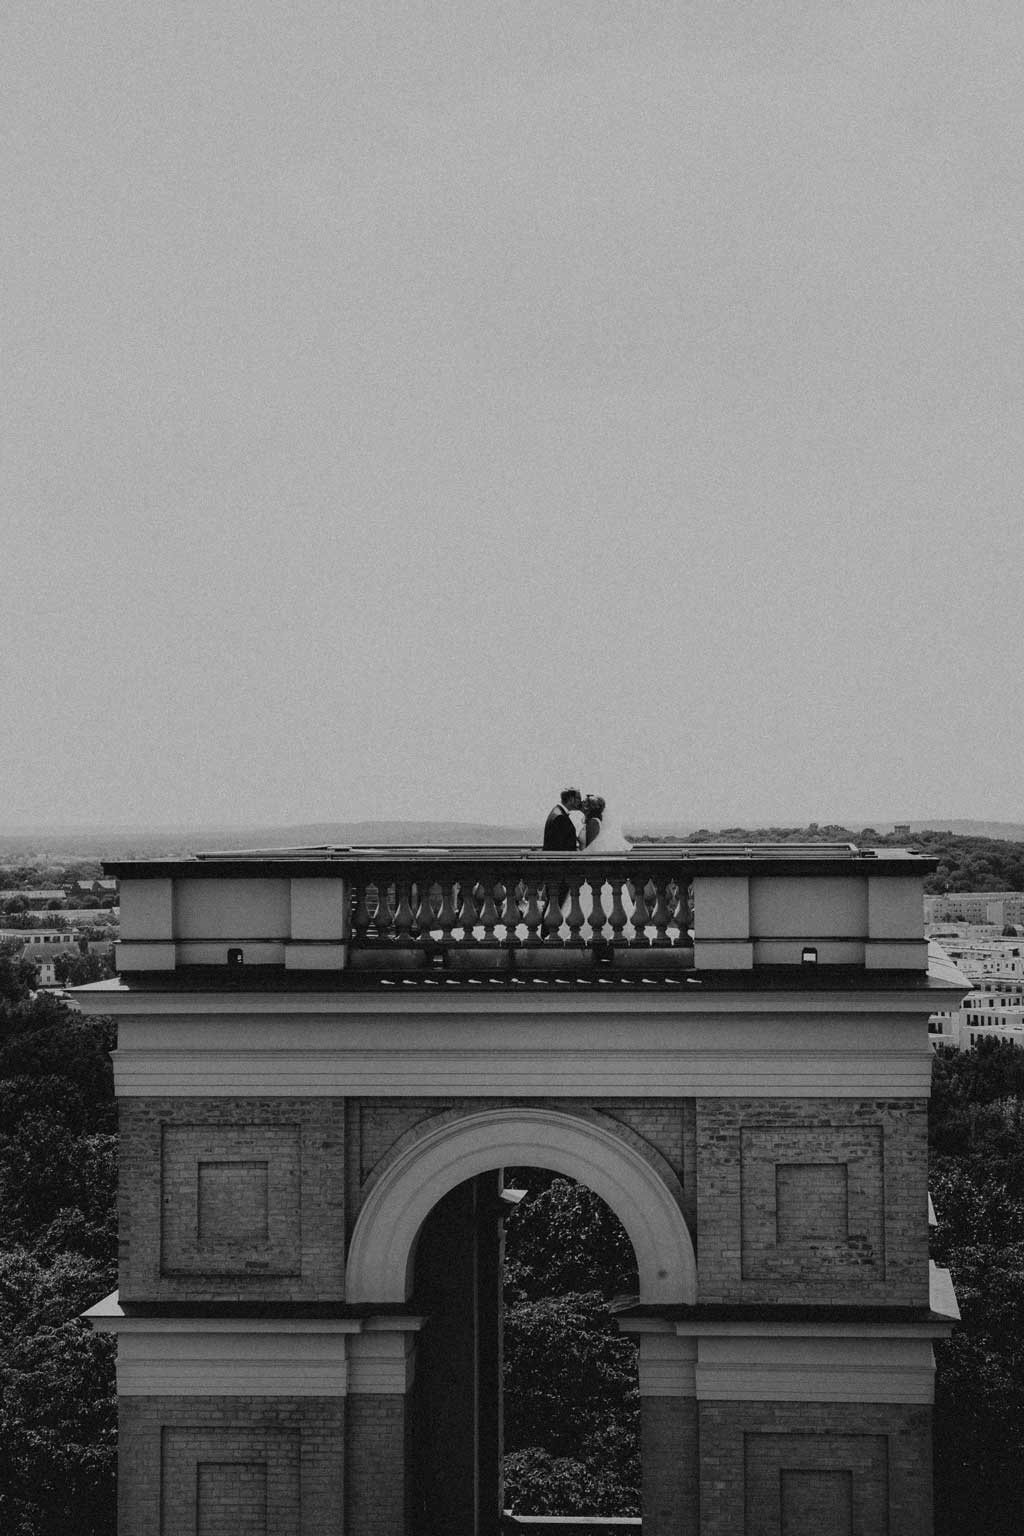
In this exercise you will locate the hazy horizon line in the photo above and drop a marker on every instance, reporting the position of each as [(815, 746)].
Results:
[(733, 819)]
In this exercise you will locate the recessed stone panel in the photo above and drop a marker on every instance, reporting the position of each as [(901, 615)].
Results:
[(231, 1498), (233, 1204), (812, 1203), (231, 1200), (816, 1485), (230, 1482), (814, 1503)]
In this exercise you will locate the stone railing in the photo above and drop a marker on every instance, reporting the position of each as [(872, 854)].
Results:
[(713, 908), (530, 911)]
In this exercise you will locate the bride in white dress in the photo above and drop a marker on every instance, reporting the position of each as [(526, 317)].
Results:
[(606, 837), (609, 838)]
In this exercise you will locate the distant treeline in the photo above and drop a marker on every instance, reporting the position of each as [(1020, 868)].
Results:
[(965, 863)]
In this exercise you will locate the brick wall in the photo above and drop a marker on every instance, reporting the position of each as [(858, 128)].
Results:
[(377, 1489), (231, 1466), (232, 1199), (254, 1199), (801, 1200), (670, 1127), (812, 1200), (807, 1469), (671, 1471), (666, 1126)]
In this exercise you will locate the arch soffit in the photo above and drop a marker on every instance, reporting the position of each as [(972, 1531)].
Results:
[(383, 1244)]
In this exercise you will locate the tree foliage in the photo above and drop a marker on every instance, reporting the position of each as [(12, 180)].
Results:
[(571, 1405), (80, 970), (976, 1127), (57, 1257), (966, 863)]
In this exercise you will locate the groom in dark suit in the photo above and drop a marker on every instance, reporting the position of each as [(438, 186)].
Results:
[(561, 832)]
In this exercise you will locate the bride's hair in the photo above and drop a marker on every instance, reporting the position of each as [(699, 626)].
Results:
[(594, 806)]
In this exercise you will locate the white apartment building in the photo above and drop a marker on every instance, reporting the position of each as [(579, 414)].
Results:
[(993, 1010), (978, 951)]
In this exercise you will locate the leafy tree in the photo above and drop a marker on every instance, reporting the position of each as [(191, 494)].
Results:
[(562, 1237), (79, 970), (57, 1257), (976, 1129), (537, 1483), (18, 976), (57, 1413), (965, 863), (571, 1404)]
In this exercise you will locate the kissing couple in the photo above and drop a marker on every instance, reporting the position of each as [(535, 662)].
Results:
[(579, 823)]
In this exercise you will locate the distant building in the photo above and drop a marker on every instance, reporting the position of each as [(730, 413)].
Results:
[(982, 955), (79, 888), (999, 907), (90, 914), (42, 940), (992, 1011), (995, 1005)]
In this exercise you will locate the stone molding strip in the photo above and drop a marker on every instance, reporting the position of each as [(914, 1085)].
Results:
[(830, 1054), (859, 1366), (257, 1357)]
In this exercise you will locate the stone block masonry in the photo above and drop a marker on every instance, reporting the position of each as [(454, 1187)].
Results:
[(232, 1199), (812, 1201), (231, 1466), (815, 1469), (377, 1495), (671, 1460)]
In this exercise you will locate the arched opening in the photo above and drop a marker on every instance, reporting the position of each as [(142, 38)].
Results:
[(525, 1400), (645, 1197), (428, 1240)]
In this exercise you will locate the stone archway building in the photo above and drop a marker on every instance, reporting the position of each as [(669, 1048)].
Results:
[(316, 1048)]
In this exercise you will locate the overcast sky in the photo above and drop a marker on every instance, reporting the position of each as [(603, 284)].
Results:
[(409, 408)]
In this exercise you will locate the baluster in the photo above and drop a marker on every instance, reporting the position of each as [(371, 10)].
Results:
[(510, 915), (553, 911), (382, 916), (488, 911), (423, 914), (597, 912), (403, 911), (467, 912), (618, 917), (574, 916), (446, 915), (681, 913), (533, 915), (641, 916), (661, 913), (361, 915)]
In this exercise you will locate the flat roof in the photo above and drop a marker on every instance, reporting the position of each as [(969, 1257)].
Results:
[(835, 859)]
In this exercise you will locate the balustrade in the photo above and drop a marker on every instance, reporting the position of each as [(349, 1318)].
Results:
[(534, 908)]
